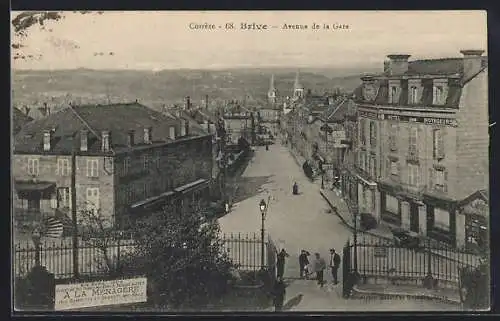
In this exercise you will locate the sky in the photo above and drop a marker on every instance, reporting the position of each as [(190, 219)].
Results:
[(164, 40)]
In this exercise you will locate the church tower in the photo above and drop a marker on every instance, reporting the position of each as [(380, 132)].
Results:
[(298, 90), (272, 93)]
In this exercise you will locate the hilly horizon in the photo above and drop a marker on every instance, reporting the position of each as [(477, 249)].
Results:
[(170, 86)]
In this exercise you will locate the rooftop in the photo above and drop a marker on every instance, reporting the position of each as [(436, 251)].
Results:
[(19, 119), (119, 119)]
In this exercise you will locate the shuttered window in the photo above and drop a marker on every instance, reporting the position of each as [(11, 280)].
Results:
[(393, 132), (438, 144), (412, 143)]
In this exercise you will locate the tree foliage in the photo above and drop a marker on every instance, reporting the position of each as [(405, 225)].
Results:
[(182, 256), (25, 21)]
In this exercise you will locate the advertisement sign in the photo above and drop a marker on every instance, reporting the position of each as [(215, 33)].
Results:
[(92, 294)]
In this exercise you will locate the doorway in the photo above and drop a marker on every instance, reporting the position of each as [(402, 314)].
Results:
[(414, 226)]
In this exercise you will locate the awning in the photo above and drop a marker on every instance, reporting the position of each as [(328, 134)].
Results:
[(30, 186), (365, 181), (151, 200), (189, 186)]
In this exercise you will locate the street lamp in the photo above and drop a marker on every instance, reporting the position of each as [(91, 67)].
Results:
[(263, 210), (36, 236)]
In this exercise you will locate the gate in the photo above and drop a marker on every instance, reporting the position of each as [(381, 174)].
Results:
[(271, 258), (346, 269)]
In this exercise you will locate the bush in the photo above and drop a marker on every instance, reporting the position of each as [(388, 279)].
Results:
[(183, 260)]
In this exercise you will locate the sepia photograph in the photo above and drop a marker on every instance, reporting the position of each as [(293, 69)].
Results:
[(249, 161)]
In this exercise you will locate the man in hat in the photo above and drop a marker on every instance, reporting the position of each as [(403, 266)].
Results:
[(303, 263), (334, 265), (319, 266), (280, 263)]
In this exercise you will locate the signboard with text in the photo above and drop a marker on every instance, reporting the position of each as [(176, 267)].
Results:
[(338, 136), (93, 294), (410, 119)]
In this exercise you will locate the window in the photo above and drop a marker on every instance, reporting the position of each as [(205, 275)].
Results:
[(63, 197), (438, 95), (362, 132), (92, 168), (391, 204), (157, 159), (412, 147), (373, 166), (393, 132), (441, 219), (394, 168), (126, 165), (394, 95), (62, 167), (438, 144), (92, 199), (145, 161), (413, 92), (33, 166), (440, 178), (373, 134), (413, 175)]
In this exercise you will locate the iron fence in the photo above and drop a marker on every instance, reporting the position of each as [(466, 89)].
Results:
[(245, 249), (57, 256), (382, 259)]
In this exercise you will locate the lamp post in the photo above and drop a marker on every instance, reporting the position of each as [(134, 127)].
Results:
[(327, 130), (263, 210), (36, 236)]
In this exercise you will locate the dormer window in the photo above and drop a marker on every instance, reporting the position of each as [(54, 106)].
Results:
[(440, 91), (413, 95), (394, 91), (394, 95)]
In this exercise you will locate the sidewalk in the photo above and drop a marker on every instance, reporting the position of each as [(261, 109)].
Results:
[(334, 200)]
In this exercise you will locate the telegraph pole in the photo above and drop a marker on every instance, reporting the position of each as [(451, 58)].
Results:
[(73, 214)]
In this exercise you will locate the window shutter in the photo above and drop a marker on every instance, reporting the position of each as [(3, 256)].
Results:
[(440, 146), (57, 167), (431, 178), (388, 166), (434, 145), (445, 185)]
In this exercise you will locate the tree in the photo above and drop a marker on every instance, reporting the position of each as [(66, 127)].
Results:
[(25, 21), (181, 255)]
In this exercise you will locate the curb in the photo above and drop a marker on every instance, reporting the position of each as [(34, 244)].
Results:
[(344, 221), (368, 293)]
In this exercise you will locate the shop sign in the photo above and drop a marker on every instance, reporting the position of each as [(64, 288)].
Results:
[(92, 294), (411, 119)]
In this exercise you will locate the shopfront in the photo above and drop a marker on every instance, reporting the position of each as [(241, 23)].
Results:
[(368, 197), (441, 219), (472, 228)]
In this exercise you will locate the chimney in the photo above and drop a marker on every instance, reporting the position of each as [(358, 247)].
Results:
[(188, 103), (206, 102), (310, 118), (105, 141), (207, 124), (148, 137), (472, 62), (172, 132), (397, 65), (46, 140), (183, 127), (84, 140), (130, 138), (27, 110)]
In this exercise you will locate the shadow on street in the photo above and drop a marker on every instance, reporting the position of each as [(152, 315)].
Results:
[(293, 302), (249, 187)]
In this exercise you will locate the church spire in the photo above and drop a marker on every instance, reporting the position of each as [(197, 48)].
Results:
[(298, 90), (297, 84), (272, 93)]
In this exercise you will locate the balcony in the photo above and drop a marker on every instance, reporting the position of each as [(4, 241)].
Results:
[(412, 156), (26, 218)]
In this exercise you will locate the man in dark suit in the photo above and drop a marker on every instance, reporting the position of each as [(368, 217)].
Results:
[(334, 265)]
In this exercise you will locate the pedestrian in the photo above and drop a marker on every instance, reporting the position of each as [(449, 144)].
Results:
[(303, 263), (280, 264), (278, 293), (319, 266), (334, 265)]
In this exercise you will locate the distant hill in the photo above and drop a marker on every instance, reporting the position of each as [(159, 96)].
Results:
[(86, 86)]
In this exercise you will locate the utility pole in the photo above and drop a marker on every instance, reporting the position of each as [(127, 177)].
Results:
[(73, 214)]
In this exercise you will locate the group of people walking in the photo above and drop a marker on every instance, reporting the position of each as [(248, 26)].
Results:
[(315, 267)]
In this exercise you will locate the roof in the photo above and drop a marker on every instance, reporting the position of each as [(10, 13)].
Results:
[(119, 119), (201, 115), (341, 107), (194, 127), (19, 119), (426, 99)]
